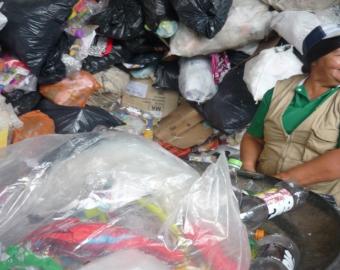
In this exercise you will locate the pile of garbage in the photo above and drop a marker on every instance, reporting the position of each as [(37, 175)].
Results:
[(185, 74)]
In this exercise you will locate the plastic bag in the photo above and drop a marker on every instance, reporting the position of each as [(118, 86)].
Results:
[(15, 75), (160, 214), (54, 69), (196, 81), (259, 74), (73, 91), (70, 120), (23, 102), (233, 107), (156, 11), (206, 17), (294, 26), (33, 29), (122, 19), (111, 177), (300, 4), (35, 123), (105, 58), (166, 75), (248, 21), (330, 15), (3, 19), (8, 121)]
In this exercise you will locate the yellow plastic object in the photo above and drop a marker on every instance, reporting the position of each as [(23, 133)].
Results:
[(3, 137)]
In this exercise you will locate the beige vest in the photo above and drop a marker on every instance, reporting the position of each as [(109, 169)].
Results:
[(317, 134)]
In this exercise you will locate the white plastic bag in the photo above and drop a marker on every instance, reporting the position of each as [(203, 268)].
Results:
[(294, 26), (3, 18), (196, 82), (330, 15), (263, 71), (248, 21), (300, 4), (72, 200)]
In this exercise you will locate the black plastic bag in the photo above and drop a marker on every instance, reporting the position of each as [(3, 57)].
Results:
[(54, 69), (34, 28), (167, 76), (157, 10), (206, 17), (146, 59), (70, 120), (94, 64), (233, 107), (237, 58), (148, 42), (22, 102), (122, 19)]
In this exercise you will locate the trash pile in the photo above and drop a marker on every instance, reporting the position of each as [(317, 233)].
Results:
[(185, 74)]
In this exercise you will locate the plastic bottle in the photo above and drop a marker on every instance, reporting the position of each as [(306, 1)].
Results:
[(148, 131), (253, 237), (266, 205), (276, 252)]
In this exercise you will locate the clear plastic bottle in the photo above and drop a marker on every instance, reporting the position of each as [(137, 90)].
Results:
[(276, 252), (283, 197)]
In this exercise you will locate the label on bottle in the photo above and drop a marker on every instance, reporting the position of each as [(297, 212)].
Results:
[(278, 253), (278, 201)]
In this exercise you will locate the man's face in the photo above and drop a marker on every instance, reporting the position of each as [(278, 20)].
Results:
[(329, 66)]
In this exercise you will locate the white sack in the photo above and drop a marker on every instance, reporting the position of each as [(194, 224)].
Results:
[(300, 4)]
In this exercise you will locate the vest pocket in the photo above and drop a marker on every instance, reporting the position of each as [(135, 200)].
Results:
[(320, 141)]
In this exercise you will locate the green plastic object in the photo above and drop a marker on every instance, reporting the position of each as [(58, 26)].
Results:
[(233, 162), (19, 258)]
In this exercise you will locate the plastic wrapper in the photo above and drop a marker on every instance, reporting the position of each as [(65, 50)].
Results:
[(81, 14), (73, 91), (166, 29), (70, 120), (13, 120), (166, 75), (233, 107), (156, 11), (22, 102), (259, 74), (143, 73), (15, 75), (206, 17), (122, 19), (35, 123), (161, 214), (300, 4), (248, 20), (33, 29), (196, 81)]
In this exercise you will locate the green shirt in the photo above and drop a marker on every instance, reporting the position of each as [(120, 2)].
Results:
[(297, 111)]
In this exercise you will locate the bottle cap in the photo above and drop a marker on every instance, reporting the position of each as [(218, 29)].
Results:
[(259, 234), (235, 163)]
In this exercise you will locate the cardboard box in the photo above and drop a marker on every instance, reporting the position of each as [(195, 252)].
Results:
[(183, 128), (142, 95)]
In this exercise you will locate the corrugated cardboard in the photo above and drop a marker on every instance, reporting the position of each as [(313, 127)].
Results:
[(160, 103), (183, 128)]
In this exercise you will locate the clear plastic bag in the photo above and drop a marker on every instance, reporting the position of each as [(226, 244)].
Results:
[(196, 80), (130, 199)]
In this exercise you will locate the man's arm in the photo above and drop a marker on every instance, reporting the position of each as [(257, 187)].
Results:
[(251, 149), (321, 169)]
